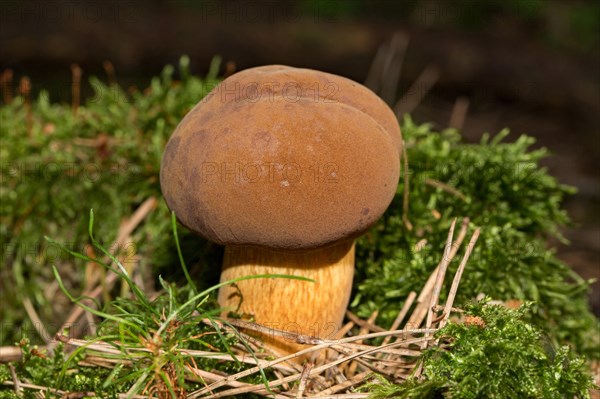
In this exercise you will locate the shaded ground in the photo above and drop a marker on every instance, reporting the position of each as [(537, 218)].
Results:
[(533, 75)]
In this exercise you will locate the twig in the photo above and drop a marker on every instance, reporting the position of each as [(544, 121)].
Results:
[(420, 245), (10, 353), (298, 338), (359, 346), (435, 293), (132, 223), (344, 330), (16, 382)]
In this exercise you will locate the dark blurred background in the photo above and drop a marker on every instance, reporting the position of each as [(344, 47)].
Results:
[(529, 65)]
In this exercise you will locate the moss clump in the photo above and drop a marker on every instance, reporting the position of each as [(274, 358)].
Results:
[(501, 187), (41, 369), (495, 353), (55, 165), (56, 168)]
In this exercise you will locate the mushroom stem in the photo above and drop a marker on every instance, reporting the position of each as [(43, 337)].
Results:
[(311, 308)]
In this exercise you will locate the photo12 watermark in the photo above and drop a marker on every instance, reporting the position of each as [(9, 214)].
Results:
[(269, 172)]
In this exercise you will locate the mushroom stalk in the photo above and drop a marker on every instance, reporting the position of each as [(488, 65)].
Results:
[(296, 306)]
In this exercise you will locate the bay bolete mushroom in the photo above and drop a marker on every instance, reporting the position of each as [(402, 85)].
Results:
[(285, 167)]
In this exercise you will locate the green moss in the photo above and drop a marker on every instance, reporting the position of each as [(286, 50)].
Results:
[(518, 205), (504, 357), (53, 173), (41, 369), (55, 170)]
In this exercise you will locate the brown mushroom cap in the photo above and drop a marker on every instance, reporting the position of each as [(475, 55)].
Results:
[(282, 171), (269, 81)]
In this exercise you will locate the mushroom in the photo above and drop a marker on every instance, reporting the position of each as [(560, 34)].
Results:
[(285, 167)]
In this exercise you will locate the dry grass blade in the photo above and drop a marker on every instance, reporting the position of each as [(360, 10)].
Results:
[(457, 277)]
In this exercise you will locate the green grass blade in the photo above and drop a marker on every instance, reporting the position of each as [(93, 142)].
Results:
[(180, 254)]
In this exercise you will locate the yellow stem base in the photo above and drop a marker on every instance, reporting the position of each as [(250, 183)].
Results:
[(296, 306)]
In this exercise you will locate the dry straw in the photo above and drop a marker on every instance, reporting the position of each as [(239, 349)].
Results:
[(337, 366)]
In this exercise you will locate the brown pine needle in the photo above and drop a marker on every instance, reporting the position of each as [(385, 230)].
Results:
[(457, 277), (440, 276)]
